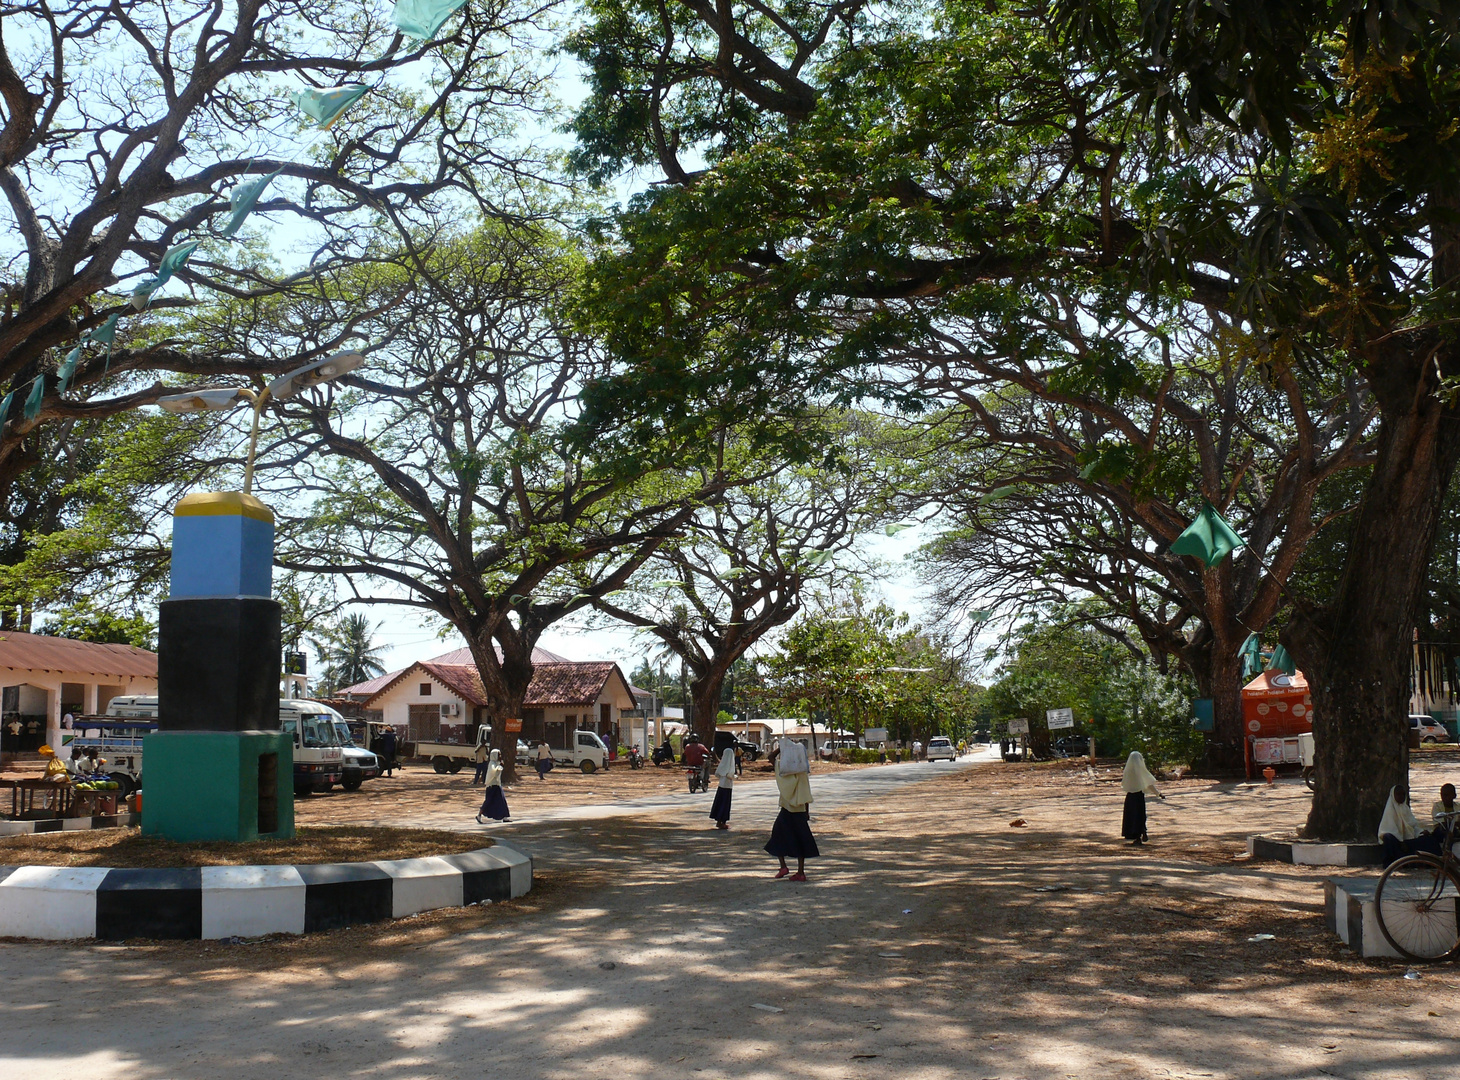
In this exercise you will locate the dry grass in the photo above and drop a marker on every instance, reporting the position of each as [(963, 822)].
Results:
[(129, 848)]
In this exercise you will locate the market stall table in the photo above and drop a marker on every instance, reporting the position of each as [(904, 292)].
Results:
[(23, 797)]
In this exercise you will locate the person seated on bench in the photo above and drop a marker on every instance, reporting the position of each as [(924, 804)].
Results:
[(1400, 833), (1444, 811)]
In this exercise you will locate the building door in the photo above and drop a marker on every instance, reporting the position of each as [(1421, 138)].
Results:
[(555, 734), (425, 723)]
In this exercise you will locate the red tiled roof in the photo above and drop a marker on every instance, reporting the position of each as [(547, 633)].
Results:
[(560, 683), (371, 687), (39, 652)]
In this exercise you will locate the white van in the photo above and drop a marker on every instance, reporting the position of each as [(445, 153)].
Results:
[(318, 755)]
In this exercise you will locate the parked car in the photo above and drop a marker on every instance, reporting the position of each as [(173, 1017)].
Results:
[(940, 749), (1072, 745), (1430, 729), (356, 764), (748, 750)]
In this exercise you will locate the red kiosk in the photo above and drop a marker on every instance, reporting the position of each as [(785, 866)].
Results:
[(1276, 709)]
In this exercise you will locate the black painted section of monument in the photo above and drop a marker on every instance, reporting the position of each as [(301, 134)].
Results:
[(218, 664)]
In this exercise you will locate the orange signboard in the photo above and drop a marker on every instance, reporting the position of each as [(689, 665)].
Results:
[(1275, 705), (512, 726)]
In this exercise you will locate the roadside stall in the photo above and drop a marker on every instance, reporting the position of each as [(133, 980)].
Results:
[(1276, 710)]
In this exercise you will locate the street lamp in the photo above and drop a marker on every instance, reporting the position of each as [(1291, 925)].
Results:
[(285, 386)]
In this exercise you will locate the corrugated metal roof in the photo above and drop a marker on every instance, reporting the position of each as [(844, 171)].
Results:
[(39, 652), (561, 683), (371, 687)]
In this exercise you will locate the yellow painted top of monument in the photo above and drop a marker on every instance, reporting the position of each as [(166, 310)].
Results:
[(222, 504)]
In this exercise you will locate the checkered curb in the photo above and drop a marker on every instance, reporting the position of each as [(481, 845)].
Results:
[(63, 902), (26, 828)]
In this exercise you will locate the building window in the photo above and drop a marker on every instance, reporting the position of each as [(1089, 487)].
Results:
[(425, 689)]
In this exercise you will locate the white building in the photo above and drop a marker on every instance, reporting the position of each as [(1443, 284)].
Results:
[(443, 700), (43, 678)]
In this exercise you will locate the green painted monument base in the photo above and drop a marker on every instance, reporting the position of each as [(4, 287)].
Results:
[(218, 785)]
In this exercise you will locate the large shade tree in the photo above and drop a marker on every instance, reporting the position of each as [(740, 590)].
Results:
[(132, 127), (443, 483), (858, 180)]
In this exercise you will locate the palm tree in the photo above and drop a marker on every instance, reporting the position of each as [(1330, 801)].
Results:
[(348, 653)]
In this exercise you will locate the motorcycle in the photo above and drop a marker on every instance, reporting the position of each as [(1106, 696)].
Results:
[(699, 776), (636, 759), (664, 755)]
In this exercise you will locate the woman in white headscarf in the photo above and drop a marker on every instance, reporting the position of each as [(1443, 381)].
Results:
[(725, 775), (1137, 782), (494, 806), (791, 834), (1400, 833)]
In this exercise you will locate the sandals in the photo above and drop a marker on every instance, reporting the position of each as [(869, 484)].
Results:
[(799, 875), (782, 872)]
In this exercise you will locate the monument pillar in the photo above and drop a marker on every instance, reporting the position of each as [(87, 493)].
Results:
[(218, 768)]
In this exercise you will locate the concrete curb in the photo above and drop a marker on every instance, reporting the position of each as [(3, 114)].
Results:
[(1350, 912), (1304, 854), (63, 902), (110, 821)]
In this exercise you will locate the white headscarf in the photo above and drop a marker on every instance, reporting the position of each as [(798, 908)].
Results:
[(1136, 776), (793, 758), (494, 769), (726, 772), (1398, 820)]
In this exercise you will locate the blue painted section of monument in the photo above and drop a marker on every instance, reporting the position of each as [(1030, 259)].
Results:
[(222, 545)]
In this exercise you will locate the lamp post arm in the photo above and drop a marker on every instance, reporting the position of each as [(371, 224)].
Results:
[(258, 400)]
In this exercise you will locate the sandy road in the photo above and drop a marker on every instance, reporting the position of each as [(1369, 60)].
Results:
[(934, 941)]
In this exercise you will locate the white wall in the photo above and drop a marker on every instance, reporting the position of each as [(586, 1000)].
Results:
[(47, 692)]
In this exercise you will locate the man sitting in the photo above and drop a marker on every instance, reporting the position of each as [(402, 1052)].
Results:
[(697, 754), (1400, 833)]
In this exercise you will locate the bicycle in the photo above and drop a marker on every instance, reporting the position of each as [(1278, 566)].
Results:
[(1417, 902)]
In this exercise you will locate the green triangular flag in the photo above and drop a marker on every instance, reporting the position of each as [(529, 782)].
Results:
[(422, 18), (245, 197), (818, 558), (1281, 661), (1251, 654), (67, 371), (324, 107), (1209, 538), (901, 526), (37, 395), (173, 260), (5, 407), (106, 333), (142, 292)]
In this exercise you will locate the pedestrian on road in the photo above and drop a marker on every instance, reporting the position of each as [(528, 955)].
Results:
[(387, 751), (481, 757), (544, 760), (494, 806), (725, 774), (791, 833), (1138, 783)]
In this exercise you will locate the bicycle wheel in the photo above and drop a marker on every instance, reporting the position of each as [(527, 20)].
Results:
[(1418, 907)]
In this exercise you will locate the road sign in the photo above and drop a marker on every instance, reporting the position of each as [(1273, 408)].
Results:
[(512, 725), (874, 735), (1059, 718), (1018, 727)]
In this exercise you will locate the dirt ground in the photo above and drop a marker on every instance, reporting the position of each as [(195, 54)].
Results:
[(934, 941), (418, 789), (128, 848)]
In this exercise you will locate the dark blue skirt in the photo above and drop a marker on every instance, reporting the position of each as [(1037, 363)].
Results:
[(495, 804), (791, 836), (720, 808), (1133, 820)]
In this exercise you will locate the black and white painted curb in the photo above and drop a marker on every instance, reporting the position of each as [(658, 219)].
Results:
[(1301, 853), (110, 821), (62, 902)]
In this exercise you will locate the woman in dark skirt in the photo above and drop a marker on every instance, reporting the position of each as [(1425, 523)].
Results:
[(791, 834), (725, 774), (1137, 782), (494, 806)]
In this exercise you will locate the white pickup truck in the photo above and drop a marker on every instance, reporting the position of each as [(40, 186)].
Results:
[(588, 753)]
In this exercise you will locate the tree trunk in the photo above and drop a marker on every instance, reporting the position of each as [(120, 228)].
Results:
[(505, 682), (705, 693), (1217, 670), (1356, 651)]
